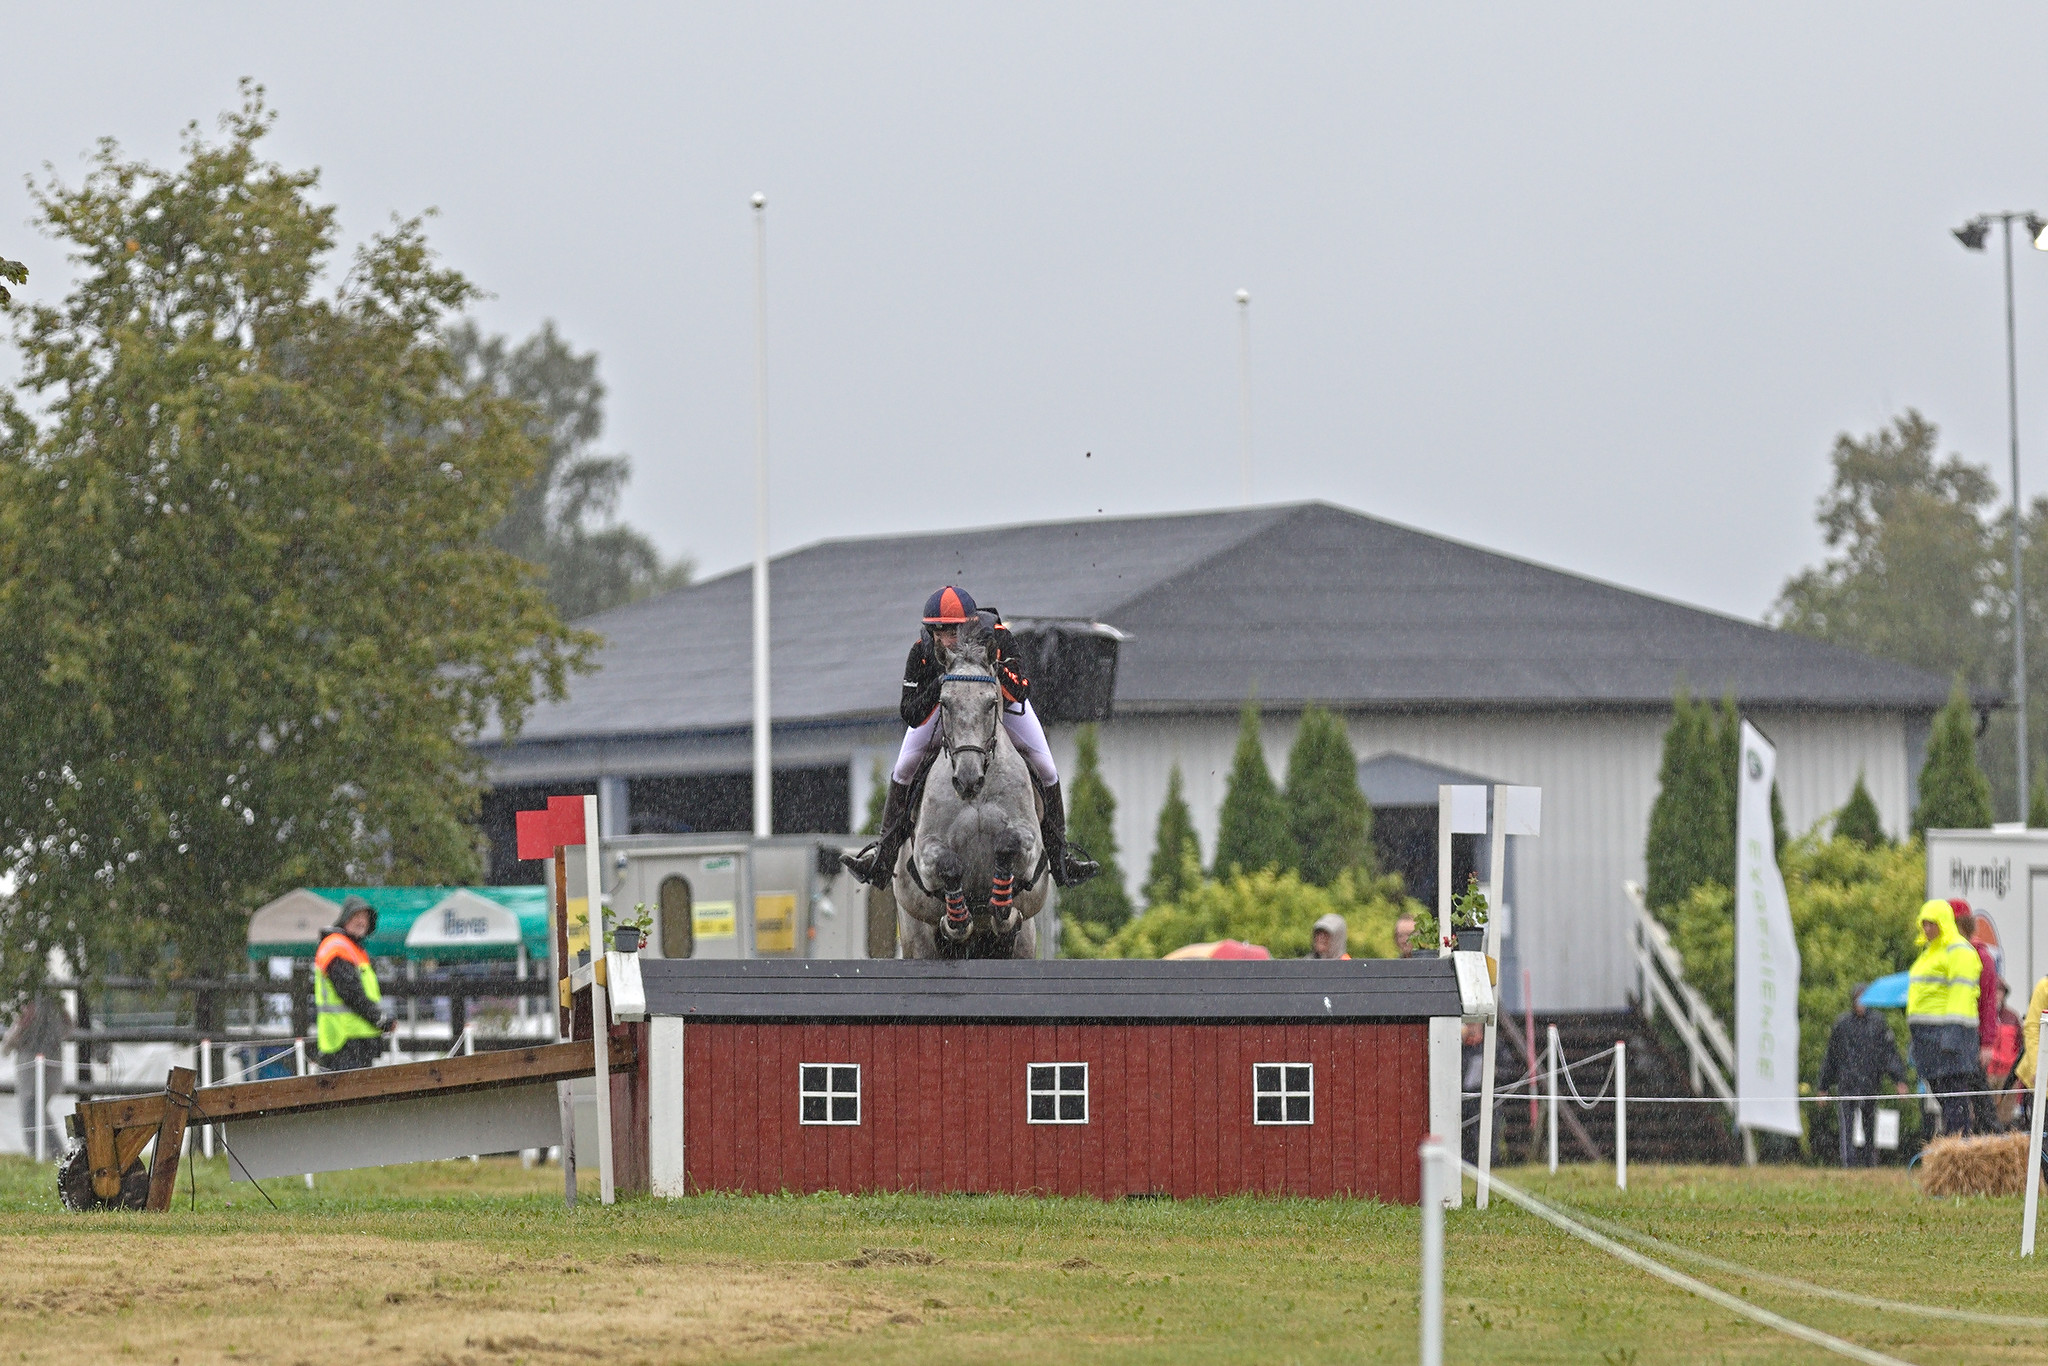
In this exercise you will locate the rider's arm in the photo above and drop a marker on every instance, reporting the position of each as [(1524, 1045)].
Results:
[(920, 685), (1016, 687)]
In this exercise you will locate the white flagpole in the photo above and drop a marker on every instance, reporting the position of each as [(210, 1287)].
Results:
[(1244, 394), (764, 776), (1621, 1114)]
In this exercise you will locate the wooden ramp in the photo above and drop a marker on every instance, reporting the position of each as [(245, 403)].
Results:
[(411, 1112)]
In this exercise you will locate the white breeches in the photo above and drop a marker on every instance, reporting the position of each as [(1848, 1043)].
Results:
[(1025, 733)]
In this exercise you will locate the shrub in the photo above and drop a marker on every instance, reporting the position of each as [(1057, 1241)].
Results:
[(1276, 909)]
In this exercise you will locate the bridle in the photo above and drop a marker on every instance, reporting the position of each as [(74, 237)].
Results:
[(946, 741)]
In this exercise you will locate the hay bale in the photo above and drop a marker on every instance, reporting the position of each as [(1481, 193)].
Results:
[(1995, 1164)]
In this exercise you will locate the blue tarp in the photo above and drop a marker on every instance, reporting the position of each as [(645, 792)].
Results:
[(1886, 993)]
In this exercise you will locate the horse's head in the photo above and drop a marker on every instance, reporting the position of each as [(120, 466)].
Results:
[(970, 709)]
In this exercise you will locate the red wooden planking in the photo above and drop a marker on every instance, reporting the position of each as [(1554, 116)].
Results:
[(815, 1161), (1116, 1113), (722, 1081), (696, 1106), (1092, 1053), (1389, 1087), (1417, 1107), (888, 1104), (1203, 1115), (1002, 1107), (952, 1109), (931, 1149), (1321, 1159), (1137, 1109), (1343, 1101), (861, 1139), (760, 1158), (1273, 1048), (782, 1049), (1376, 1062), (970, 1072), (1045, 1149), (1233, 1101), (1297, 1045), (1181, 1106), (838, 1046), (1072, 1138), (1159, 1045)]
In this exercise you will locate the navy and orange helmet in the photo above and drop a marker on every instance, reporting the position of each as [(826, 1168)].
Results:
[(949, 607)]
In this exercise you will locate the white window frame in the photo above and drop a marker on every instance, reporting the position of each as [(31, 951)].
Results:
[(1059, 1092), (829, 1094), (1285, 1093)]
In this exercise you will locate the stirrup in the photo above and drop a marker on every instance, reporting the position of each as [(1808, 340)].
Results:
[(863, 863), (1070, 870)]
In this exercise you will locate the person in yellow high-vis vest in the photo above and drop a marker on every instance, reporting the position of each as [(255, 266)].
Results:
[(1941, 1014), (345, 990)]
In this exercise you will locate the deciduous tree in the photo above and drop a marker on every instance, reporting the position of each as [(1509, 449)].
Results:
[(254, 619)]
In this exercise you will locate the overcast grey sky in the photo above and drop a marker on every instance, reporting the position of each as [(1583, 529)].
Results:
[(1596, 285)]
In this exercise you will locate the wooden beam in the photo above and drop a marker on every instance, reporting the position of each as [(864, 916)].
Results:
[(100, 1147), (437, 1076), (170, 1137)]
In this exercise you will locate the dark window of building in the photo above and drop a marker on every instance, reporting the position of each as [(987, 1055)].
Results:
[(1057, 1092), (807, 801), (1283, 1093), (1404, 841), (828, 1093), (678, 932)]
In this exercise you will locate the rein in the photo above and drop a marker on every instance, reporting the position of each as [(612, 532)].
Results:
[(946, 741)]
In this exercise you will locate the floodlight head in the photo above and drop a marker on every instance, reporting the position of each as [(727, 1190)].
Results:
[(1973, 233), (2038, 231), (1244, 296), (760, 200)]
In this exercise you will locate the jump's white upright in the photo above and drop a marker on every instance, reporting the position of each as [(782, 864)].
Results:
[(600, 1006), (1621, 1114), (1553, 1054), (2033, 1141), (1516, 811), (1437, 1173)]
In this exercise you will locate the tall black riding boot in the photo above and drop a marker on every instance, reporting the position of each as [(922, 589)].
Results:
[(1067, 868), (876, 864)]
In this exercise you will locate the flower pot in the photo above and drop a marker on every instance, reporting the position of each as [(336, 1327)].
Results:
[(626, 939), (1472, 941)]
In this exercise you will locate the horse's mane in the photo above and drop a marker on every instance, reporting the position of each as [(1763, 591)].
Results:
[(975, 634)]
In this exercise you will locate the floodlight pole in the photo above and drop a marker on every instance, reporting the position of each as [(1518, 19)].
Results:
[(764, 775), (1971, 235)]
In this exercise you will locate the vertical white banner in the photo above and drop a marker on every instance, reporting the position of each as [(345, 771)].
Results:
[(1766, 954)]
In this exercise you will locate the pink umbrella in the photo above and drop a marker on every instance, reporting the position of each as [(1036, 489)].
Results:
[(1222, 948)]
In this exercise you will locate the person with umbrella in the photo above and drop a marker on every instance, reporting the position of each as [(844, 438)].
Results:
[(1861, 1054)]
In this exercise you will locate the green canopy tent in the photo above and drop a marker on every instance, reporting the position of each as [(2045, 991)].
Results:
[(443, 924)]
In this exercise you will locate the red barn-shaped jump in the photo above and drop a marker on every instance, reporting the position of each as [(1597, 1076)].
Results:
[(1069, 1078)]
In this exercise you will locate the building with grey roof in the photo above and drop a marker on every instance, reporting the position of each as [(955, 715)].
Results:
[(1448, 662)]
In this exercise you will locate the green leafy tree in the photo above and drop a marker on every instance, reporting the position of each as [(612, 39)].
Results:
[(1953, 792), (1692, 834), (561, 519), (11, 273), (2037, 804), (255, 623), (1253, 831), (1326, 811), (1176, 848), (1099, 907), (1271, 908), (1858, 821), (1855, 912), (878, 798)]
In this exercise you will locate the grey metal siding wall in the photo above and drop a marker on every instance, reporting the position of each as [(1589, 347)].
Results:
[(1599, 776)]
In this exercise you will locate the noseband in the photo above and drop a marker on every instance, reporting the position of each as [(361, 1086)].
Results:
[(946, 741)]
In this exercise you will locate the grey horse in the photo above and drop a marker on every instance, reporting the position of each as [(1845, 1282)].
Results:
[(970, 882)]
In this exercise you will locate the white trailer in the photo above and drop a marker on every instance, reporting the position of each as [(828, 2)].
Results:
[(2004, 873)]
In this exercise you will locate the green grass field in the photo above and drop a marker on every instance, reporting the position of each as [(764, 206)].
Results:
[(457, 1262)]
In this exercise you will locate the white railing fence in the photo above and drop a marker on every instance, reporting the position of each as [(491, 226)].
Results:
[(1660, 971)]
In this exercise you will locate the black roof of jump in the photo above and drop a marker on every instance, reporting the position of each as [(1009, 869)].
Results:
[(1144, 991)]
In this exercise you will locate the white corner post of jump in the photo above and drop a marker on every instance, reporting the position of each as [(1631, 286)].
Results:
[(41, 1104), (2034, 1141), (1244, 396), (1436, 1174), (764, 775), (299, 1070), (1552, 1053), (1621, 1114), (600, 1005), (206, 1079), (1516, 811)]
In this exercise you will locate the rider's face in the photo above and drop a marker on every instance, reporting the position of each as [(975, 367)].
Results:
[(948, 636)]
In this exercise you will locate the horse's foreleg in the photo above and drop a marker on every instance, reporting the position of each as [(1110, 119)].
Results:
[(1002, 893), (952, 875)]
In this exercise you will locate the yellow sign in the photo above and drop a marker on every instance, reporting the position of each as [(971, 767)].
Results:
[(579, 925), (712, 919), (775, 922)]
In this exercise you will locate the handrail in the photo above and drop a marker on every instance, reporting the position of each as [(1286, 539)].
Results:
[(1710, 1055)]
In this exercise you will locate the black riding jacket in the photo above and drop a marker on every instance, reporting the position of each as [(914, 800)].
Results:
[(923, 670)]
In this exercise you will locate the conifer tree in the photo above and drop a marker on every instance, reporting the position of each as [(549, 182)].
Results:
[(1692, 834), (878, 798), (1954, 794), (1858, 819), (1252, 832), (1326, 812), (1176, 849), (1099, 906)]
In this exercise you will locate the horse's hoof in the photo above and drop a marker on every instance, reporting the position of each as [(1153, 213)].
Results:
[(956, 931)]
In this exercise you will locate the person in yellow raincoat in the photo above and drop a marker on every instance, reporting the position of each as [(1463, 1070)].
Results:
[(2030, 1039), (1941, 1014)]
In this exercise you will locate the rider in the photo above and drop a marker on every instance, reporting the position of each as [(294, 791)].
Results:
[(944, 611)]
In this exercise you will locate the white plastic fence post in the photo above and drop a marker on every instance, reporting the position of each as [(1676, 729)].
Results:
[(469, 1051), (1486, 1110), (206, 1079), (1433, 1155), (2034, 1141), (299, 1066), (42, 1104), (1554, 1054), (1620, 1114)]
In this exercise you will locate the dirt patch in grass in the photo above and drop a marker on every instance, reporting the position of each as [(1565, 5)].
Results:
[(364, 1298)]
